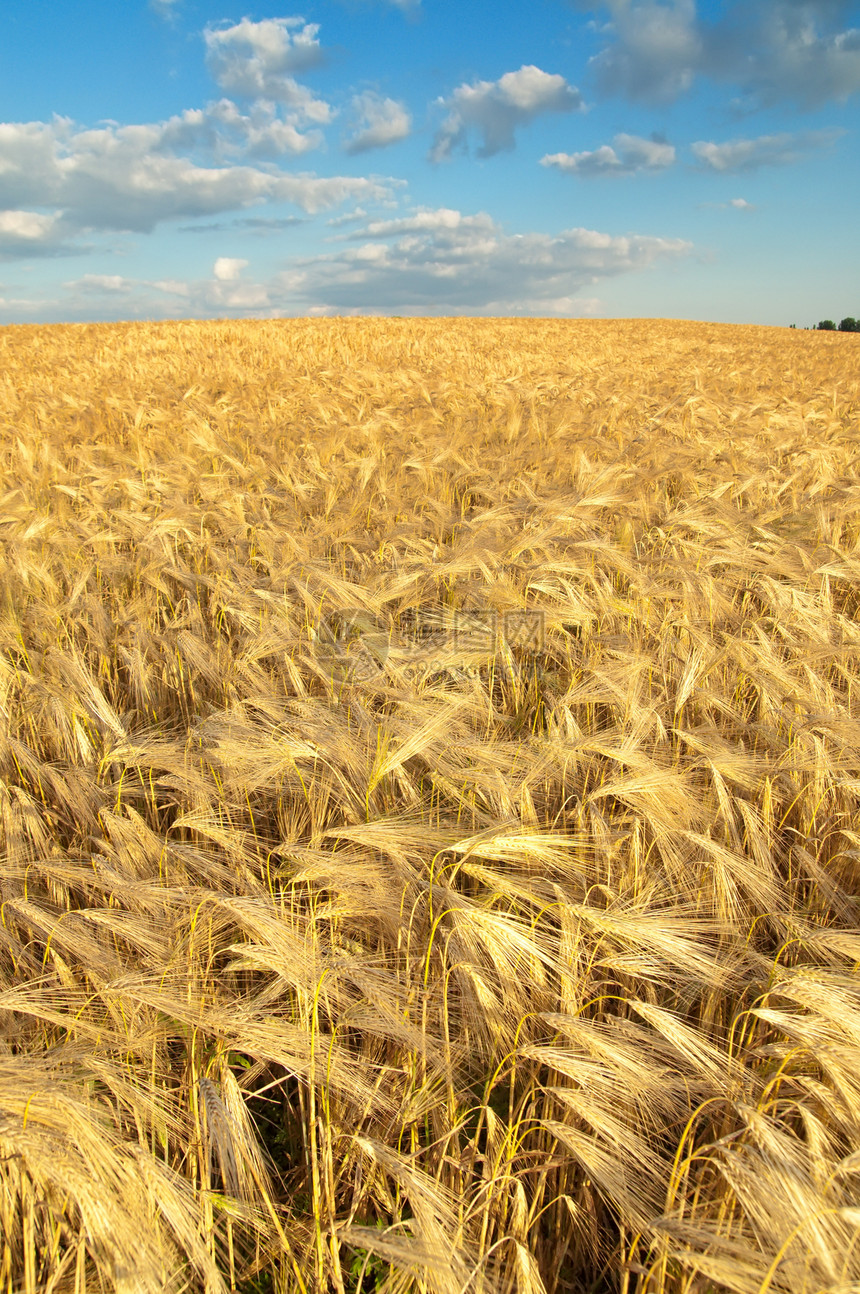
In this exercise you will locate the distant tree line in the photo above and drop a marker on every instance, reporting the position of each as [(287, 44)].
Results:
[(847, 325), (827, 325)]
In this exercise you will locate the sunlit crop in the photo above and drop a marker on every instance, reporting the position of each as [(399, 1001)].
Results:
[(430, 790)]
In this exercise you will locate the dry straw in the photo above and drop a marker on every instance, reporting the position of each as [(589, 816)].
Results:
[(430, 804)]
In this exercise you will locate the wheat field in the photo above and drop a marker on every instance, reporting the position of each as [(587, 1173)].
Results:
[(430, 789)]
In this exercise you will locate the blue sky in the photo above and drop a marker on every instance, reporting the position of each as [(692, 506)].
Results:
[(657, 158)]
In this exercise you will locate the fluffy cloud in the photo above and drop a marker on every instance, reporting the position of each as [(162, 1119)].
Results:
[(378, 122), (228, 268), (29, 233), (224, 131), (495, 109), (656, 50), (766, 150), (444, 262), (772, 50), (97, 283), (242, 298), (132, 178), (262, 132), (789, 56), (347, 218), (257, 58), (425, 220), (631, 153)]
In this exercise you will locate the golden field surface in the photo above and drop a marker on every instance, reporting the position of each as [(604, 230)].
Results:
[(430, 790)]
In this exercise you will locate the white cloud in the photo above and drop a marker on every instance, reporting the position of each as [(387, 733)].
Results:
[(101, 283), (27, 230), (260, 133), (371, 252), (655, 52), (347, 218), (772, 50), (131, 178), (175, 287), (165, 8), (425, 220), (495, 109), (444, 262), (378, 122), (24, 224), (766, 150), (782, 52), (741, 204), (240, 297), (222, 129), (630, 153), (228, 268), (257, 58)]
